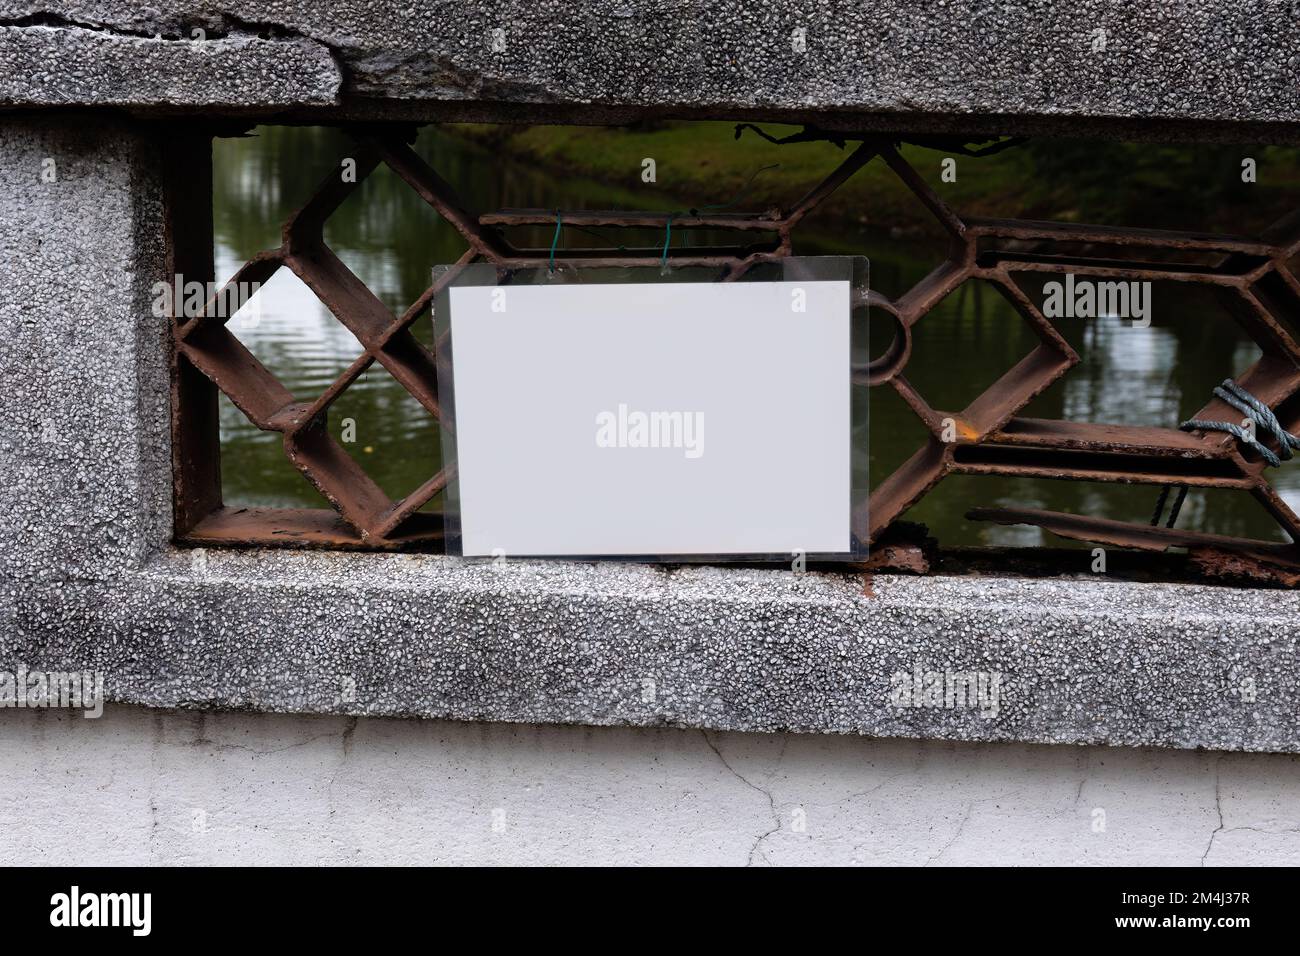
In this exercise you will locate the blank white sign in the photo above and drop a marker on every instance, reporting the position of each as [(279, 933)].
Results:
[(653, 419)]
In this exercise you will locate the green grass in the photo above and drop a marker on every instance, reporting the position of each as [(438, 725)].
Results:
[(700, 164)]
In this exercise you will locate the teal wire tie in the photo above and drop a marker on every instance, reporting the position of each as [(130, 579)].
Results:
[(555, 242)]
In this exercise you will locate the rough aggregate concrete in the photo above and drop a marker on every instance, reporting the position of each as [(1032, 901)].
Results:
[(74, 66), (83, 385), (90, 582), (1080, 661), (1208, 69)]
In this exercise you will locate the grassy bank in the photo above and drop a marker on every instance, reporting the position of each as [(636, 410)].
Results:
[(700, 164)]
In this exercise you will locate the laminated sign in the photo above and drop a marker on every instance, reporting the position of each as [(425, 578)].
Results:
[(625, 412)]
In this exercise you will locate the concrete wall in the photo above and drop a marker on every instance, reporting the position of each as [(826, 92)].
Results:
[(324, 642), (93, 583), (140, 786), (1157, 68)]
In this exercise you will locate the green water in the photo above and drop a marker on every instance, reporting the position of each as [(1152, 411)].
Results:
[(1153, 376)]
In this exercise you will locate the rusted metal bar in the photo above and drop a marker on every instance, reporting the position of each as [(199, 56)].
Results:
[(768, 222), (819, 193), (1122, 534), (942, 213), (1026, 229), (439, 194), (196, 431), (307, 528)]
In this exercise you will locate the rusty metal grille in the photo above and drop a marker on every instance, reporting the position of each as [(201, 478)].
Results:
[(1250, 277)]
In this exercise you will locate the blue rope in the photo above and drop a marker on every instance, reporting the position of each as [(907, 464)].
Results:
[(1263, 417)]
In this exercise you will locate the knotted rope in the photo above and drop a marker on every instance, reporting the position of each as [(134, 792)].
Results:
[(1259, 414)]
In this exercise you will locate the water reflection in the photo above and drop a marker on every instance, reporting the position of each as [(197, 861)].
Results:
[(1152, 376), (1127, 369)]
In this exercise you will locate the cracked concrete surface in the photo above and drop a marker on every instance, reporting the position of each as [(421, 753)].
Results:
[(771, 801), (141, 786), (1195, 69), (64, 65)]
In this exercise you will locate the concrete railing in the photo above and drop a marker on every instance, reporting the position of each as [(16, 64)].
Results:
[(1192, 69), (91, 581)]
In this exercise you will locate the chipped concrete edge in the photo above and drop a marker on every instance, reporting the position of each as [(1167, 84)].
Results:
[(62, 66), (1193, 71)]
